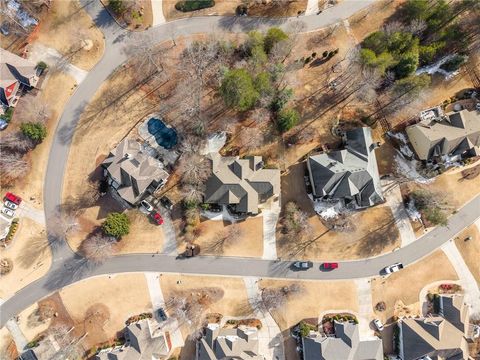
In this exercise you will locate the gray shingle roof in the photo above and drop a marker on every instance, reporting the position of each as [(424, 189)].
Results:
[(133, 169), (346, 345), (350, 173), (437, 336), (459, 132), (228, 344), (241, 182)]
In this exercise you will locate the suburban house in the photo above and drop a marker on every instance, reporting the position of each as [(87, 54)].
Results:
[(455, 135), (241, 183), (443, 336), (132, 172), (15, 73), (344, 345), (349, 175), (144, 340), (219, 344)]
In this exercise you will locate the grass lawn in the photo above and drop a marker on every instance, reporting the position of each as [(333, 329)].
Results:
[(30, 254), (470, 249), (249, 244), (65, 27), (113, 299)]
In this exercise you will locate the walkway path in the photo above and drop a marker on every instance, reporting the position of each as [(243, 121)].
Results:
[(270, 339), (467, 280), (394, 200), (38, 52), (157, 12), (365, 308)]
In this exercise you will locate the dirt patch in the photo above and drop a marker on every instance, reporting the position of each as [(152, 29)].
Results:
[(31, 257), (249, 242), (111, 300), (8, 350), (68, 29), (335, 295), (406, 284), (470, 249)]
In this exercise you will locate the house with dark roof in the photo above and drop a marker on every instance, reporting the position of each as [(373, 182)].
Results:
[(15, 73), (344, 345), (455, 134), (132, 172), (223, 344), (144, 340), (241, 183), (349, 175), (443, 336)]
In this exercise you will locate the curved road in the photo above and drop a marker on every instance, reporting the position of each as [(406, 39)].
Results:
[(68, 268)]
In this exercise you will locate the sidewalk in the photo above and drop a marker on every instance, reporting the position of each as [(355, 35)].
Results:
[(16, 332)]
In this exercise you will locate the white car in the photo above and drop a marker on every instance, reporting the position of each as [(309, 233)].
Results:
[(378, 324), (11, 205), (393, 268), (7, 212), (146, 205)]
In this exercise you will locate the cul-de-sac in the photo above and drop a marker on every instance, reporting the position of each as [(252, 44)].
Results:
[(240, 179)]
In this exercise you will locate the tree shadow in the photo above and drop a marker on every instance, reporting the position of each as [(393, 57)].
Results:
[(70, 271)]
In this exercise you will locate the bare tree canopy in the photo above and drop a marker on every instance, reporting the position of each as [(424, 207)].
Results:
[(13, 167), (98, 247)]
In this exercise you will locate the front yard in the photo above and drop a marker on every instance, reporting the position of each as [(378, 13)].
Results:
[(470, 249)]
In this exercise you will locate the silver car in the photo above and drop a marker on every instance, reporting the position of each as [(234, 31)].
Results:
[(8, 212)]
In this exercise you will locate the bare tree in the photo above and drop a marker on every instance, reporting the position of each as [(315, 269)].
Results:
[(33, 109), (15, 142), (194, 170), (250, 139), (275, 298), (417, 26), (13, 166), (98, 247), (295, 222), (227, 236), (393, 27)]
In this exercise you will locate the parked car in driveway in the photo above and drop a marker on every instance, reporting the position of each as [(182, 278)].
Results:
[(146, 205), (162, 315), (378, 324), (393, 268), (157, 218), (167, 203), (7, 212), (329, 266), (302, 265), (3, 124), (11, 205), (13, 198)]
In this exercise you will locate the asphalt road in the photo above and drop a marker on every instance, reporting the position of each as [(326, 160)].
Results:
[(68, 268)]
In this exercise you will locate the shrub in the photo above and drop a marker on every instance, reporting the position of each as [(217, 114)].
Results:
[(274, 35), (314, 55), (307, 60), (7, 116), (325, 54), (34, 130), (116, 225), (287, 119), (192, 5), (42, 65), (305, 328)]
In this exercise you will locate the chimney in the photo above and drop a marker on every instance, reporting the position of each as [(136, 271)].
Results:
[(128, 156)]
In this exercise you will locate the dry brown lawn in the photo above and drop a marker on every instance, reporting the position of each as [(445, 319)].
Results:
[(406, 284), (228, 7), (55, 92), (374, 230), (67, 25), (470, 249), (30, 328), (115, 298), (249, 244), (371, 19), (233, 303), (316, 297), (30, 254)]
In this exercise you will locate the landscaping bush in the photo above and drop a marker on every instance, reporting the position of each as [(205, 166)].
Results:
[(305, 328), (34, 130), (325, 54), (7, 116), (11, 232), (116, 225), (192, 5), (287, 119), (42, 65)]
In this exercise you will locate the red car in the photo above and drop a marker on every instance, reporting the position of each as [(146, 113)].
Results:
[(157, 218), (13, 198), (330, 266)]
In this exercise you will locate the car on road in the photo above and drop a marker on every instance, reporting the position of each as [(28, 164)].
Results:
[(7, 212), (13, 198), (393, 268), (378, 324), (146, 205), (302, 265), (157, 218), (161, 314), (329, 266), (11, 205)]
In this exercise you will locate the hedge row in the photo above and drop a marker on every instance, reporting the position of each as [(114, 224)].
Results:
[(192, 5)]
